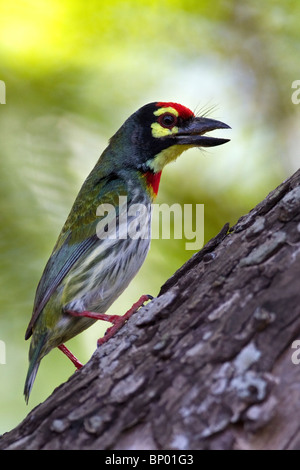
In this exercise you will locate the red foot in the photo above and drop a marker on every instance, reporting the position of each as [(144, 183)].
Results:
[(72, 358), (117, 320), (120, 320)]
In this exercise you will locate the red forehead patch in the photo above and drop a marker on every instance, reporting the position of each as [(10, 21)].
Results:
[(183, 112)]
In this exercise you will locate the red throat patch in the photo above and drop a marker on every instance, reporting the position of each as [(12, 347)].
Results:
[(183, 112), (153, 180)]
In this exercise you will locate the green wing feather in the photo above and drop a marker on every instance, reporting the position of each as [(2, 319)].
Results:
[(77, 236)]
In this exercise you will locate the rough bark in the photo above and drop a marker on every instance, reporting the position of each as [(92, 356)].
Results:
[(205, 365)]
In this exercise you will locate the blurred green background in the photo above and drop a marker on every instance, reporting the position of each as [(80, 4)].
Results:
[(74, 71)]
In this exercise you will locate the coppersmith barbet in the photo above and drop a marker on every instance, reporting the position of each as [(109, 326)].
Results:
[(86, 273)]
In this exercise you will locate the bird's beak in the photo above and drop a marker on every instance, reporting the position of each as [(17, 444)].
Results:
[(193, 133)]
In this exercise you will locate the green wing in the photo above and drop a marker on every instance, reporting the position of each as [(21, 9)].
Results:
[(77, 236)]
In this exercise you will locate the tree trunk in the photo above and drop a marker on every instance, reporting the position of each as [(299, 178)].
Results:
[(209, 364)]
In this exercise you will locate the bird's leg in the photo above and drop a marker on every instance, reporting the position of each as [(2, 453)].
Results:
[(71, 356), (117, 320)]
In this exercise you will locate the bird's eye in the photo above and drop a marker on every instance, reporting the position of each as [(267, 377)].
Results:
[(167, 120)]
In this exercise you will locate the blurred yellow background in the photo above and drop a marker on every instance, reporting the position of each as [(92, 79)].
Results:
[(74, 71)]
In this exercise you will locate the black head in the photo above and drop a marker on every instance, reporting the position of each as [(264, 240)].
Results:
[(159, 132)]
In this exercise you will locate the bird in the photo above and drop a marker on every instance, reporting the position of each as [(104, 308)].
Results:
[(89, 268)]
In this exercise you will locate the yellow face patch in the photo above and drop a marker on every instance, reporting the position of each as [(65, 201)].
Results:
[(168, 109), (160, 131), (171, 153)]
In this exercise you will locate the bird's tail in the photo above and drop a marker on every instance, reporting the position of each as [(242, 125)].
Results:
[(34, 362)]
